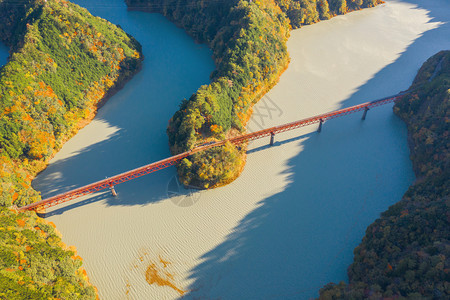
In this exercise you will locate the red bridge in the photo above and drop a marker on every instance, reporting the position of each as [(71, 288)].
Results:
[(156, 166)]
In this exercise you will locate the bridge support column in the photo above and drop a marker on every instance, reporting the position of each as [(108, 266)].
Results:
[(320, 126), (272, 138), (113, 191), (365, 113)]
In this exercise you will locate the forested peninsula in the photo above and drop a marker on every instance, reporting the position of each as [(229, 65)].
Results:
[(405, 254), (248, 40), (63, 63)]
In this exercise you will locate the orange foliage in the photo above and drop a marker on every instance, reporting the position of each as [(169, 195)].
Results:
[(216, 128), (24, 185), (21, 222), (52, 224)]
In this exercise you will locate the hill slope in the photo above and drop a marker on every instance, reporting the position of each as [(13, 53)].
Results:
[(406, 252), (248, 39), (63, 62)]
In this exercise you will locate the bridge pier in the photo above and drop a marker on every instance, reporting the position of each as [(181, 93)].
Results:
[(113, 191), (365, 113), (320, 126), (170, 161)]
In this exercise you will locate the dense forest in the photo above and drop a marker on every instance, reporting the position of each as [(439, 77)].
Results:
[(405, 254), (248, 39), (305, 12), (35, 263), (63, 62)]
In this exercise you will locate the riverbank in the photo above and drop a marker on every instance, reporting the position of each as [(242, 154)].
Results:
[(63, 62), (403, 254), (288, 213), (248, 40)]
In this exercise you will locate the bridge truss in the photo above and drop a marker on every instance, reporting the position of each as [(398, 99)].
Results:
[(170, 161)]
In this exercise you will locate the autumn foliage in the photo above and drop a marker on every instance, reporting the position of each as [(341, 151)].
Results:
[(249, 44), (35, 263), (248, 39), (305, 12), (63, 62), (405, 253)]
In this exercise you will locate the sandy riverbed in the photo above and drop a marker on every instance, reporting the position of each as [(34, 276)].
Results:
[(289, 224)]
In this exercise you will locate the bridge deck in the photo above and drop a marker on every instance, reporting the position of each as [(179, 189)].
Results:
[(170, 161)]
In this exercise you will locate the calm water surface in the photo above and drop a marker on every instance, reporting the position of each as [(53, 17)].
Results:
[(135, 120), (3, 54), (296, 240)]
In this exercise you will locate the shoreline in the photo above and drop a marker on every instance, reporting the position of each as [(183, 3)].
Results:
[(120, 83), (291, 188)]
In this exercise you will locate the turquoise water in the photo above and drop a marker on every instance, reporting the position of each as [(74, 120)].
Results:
[(3, 54), (303, 237), (298, 239), (174, 67)]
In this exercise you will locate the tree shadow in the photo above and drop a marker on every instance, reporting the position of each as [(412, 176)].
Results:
[(130, 130), (301, 238), (130, 193)]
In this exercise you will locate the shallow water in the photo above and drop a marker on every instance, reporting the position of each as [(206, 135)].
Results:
[(290, 223)]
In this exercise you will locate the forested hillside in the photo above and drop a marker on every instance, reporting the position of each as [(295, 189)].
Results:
[(305, 12), (35, 263), (62, 62), (248, 39), (406, 253)]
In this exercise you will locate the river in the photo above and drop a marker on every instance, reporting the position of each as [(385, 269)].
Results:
[(288, 225), (3, 54)]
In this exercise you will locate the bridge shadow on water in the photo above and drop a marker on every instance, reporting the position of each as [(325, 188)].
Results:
[(299, 239), (129, 192), (104, 195), (281, 142), (107, 156), (60, 210)]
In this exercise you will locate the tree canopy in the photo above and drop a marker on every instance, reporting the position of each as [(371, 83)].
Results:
[(405, 253), (62, 62), (248, 39)]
